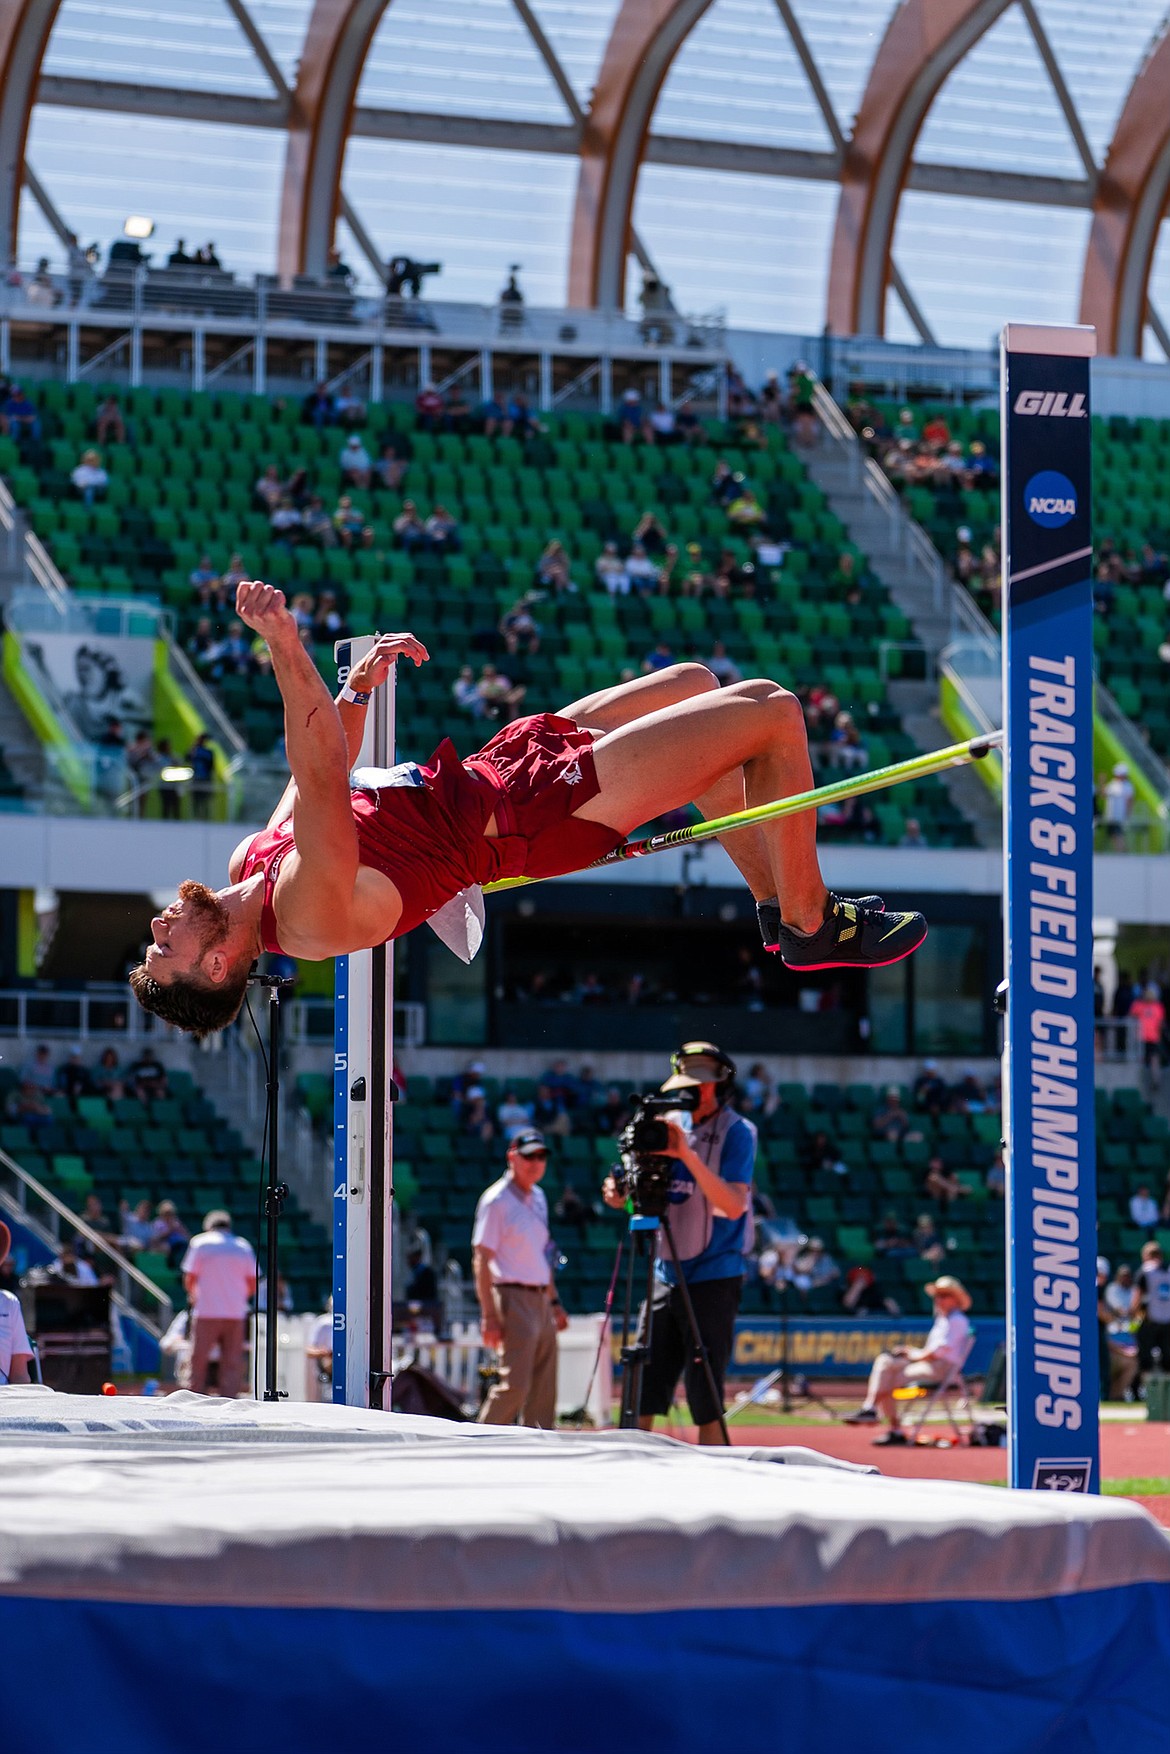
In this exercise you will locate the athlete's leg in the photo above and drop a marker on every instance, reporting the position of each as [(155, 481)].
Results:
[(611, 708), (687, 750)]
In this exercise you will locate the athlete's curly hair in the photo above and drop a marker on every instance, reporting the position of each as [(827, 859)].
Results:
[(191, 1003)]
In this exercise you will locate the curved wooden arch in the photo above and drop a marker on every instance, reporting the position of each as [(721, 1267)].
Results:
[(25, 26), (646, 36), (924, 41), (1127, 210), (337, 41)]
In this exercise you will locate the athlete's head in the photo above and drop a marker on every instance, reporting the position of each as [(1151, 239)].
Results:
[(196, 969)]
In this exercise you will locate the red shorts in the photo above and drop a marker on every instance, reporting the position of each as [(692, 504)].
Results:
[(542, 770)]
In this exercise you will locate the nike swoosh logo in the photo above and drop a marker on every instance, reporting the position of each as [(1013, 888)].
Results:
[(904, 921)]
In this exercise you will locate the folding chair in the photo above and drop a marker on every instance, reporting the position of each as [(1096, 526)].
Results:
[(952, 1384)]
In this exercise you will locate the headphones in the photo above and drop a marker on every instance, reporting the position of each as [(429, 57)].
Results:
[(706, 1050)]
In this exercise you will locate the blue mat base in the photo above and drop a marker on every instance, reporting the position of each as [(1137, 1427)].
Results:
[(1083, 1674)]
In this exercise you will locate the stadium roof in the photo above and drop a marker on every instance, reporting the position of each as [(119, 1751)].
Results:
[(916, 168)]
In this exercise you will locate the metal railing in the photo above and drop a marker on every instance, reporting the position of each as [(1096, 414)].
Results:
[(98, 1013), (52, 1221)]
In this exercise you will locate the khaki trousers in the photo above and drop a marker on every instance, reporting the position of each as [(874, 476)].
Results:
[(890, 1373), (228, 1333), (527, 1389)]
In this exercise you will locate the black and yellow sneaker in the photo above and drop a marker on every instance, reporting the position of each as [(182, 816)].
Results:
[(853, 936), (768, 914)]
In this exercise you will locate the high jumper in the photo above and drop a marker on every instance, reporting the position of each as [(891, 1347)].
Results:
[(350, 860)]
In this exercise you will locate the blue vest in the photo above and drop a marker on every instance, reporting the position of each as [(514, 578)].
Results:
[(709, 1245)]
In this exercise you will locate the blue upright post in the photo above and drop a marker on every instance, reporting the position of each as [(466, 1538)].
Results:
[(1049, 1107)]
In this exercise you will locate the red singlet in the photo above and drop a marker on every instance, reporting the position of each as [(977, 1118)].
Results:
[(429, 840)]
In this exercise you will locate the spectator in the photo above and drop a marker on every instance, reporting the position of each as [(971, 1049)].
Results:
[(891, 1240), (409, 529), (423, 1283), (659, 658), (1117, 804), (201, 761), (350, 526), (1124, 1298), (38, 1072), (1150, 1015), (640, 569), (430, 411), (930, 1091), (1117, 1359), (142, 762), (519, 630), (724, 669), (169, 802), (29, 1107), (286, 523), (996, 1178), (658, 427), (757, 1090), (147, 1077), (501, 697), (549, 1113), (89, 478), (651, 534), (1153, 1335), (553, 569), (942, 1184), (73, 1077), (269, 489), (513, 1116), (109, 425), (137, 1225), (94, 1214), (203, 578), (465, 692), (946, 1348), (390, 468), (442, 531), (317, 525), (18, 416), (107, 1076), (169, 1236), (1144, 1214), (491, 415), (520, 421), (70, 1268), (575, 1212), (354, 462), (928, 1243), (15, 1351), (863, 1296), (630, 416), (912, 835), (725, 484), (813, 1267), (318, 408), (890, 1122), (822, 1152), (328, 622), (349, 410), (219, 1273), (236, 570), (610, 570), (745, 511)]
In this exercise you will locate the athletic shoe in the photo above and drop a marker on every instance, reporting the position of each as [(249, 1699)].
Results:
[(863, 1416), (768, 914), (853, 936), (887, 1438)]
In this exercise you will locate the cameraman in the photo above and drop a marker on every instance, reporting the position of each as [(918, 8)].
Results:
[(710, 1213)]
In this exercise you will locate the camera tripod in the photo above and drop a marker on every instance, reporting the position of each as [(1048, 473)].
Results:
[(643, 1228)]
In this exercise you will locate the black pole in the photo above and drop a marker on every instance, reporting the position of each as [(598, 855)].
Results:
[(276, 1191), (696, 1337)]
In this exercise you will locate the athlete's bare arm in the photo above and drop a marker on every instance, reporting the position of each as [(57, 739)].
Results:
[(367, 674), (317, 884)]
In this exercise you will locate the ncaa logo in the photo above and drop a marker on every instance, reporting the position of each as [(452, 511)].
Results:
[(1050, 499)]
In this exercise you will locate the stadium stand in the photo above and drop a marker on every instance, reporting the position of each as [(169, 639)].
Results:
[(184, 487), (952, 490)]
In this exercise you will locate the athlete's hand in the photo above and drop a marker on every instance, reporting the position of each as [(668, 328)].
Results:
[(371, 671), (263, 608)]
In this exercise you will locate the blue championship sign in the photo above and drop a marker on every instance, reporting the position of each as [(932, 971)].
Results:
[(1048, 907)]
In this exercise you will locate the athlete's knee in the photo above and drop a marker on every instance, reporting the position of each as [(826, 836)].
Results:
[(782, 706), (688, 680)]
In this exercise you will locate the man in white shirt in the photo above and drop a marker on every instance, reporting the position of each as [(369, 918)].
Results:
[(946, 1347), (520, 1312), (219, 1273), (15, 1351), (1143, 1209)]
